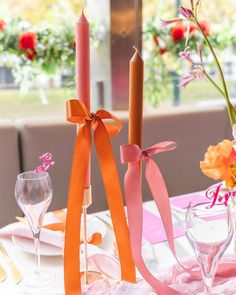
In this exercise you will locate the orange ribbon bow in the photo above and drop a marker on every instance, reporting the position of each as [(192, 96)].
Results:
[(78, 113)]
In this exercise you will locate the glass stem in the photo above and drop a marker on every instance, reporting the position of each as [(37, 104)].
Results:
[(37, 252), (207, 286)]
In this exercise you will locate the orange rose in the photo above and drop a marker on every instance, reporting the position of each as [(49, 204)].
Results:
[(218, 160)]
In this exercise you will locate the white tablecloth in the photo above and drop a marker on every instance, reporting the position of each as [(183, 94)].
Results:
[(54, 265)]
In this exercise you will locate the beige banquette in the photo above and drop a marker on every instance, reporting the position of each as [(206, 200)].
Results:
[(22, 141)]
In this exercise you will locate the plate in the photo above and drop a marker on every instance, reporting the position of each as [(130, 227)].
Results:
[(27, 245)]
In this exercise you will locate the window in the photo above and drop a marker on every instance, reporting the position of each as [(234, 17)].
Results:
[(36, 81)]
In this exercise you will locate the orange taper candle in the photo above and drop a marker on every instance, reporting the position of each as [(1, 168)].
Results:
[(136, 99), (83, 67)]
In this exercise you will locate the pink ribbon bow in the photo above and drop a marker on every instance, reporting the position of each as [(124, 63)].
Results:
[(132, 154)]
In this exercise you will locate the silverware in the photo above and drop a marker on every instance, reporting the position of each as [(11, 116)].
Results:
[(3, 274), (14, 270)]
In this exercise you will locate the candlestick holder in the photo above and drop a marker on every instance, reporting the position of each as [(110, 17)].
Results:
[(77, 112), (87, 201)]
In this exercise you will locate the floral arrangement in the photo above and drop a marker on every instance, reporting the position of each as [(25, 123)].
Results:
[(47, 48), (163, 44), (220, 160)]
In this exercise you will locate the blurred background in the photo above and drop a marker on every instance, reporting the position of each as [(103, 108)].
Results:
[(37, 53), (37, 76)]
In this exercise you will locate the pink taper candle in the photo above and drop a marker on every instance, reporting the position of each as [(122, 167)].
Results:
[(83, 67)]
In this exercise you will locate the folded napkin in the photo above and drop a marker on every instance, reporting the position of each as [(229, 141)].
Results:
[(54, 238), (52, 232)]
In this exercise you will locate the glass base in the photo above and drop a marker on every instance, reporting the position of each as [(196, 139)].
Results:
[(39, 280)]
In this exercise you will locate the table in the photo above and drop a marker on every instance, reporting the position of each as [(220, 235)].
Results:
[(26, 262)]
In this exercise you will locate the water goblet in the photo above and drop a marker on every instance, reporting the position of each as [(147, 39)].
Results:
[(33, 193), (209, 231)]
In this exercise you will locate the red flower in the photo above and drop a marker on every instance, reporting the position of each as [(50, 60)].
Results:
[(163, 51), (205, 27), (2, 25), (31, 54), (177, 32), (73, 44), (27, 40), (155, 39)]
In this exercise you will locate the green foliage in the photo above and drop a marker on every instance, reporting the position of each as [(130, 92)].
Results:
[(162, 57), (54, 50), (54, 47)]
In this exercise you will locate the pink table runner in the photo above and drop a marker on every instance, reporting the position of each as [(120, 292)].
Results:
[(153, 229), (152, 225), (183, 201)]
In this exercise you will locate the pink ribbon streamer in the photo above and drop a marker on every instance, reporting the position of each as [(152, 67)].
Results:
[(132, 154)]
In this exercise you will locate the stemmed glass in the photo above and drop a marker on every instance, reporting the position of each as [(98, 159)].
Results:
[(209, 231), (33, 193)]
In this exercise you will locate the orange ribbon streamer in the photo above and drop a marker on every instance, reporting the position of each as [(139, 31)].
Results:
[(78, 113)]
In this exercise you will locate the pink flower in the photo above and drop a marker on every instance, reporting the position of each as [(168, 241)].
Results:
[(185, 12), (196, 73), (166, 23), (185, 55)]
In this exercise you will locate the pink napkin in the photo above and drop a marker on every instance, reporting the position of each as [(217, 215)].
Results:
[(182, 282)]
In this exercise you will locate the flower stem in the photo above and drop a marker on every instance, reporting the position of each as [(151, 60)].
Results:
[(230, 108), (196, 8), (214, 83)]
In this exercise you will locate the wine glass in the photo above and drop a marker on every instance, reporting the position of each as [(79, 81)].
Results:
[(209, 231), (33, 193)]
